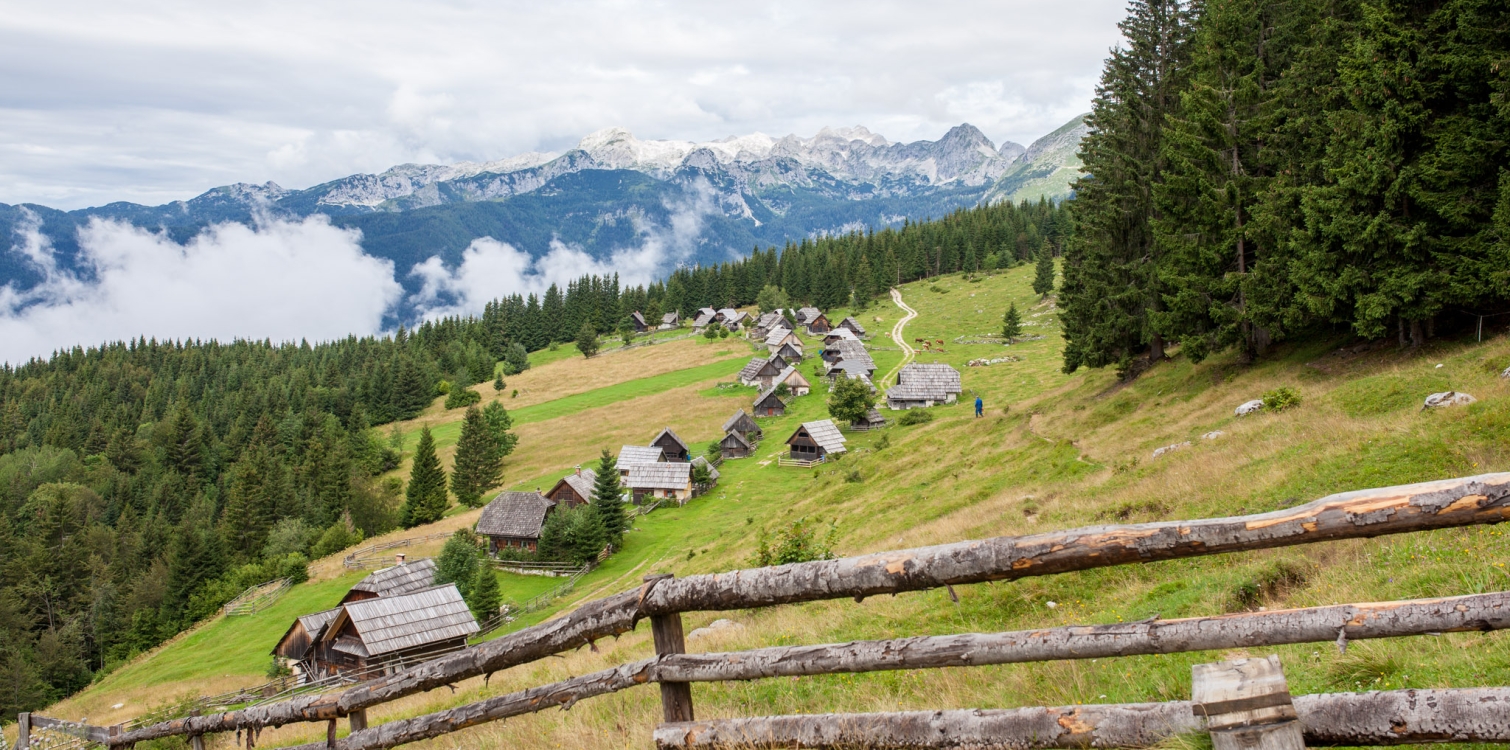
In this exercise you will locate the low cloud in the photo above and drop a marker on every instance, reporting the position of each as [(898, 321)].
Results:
[(280, 280), (490, 269)]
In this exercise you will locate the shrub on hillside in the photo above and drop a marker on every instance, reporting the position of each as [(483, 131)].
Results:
[(1281, 398), (461, 397), (340, 535), (915, 416), (799, 542)]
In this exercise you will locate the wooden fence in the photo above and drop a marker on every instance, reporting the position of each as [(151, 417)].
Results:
[(1469, 715), (257, 598), (798, 462), (368, 556)]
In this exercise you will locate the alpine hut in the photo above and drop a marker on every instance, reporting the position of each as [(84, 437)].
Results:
[(838, 334), (805, 315), (370, 638), (705, 317), (638, 321), (816, 441), (670, 320), (630, 455), (814, 320), (298, 643), (768, 404), (514, 520), (735, 445), (924, 385), (794, 381), (872, 420), (713, 474), (789, 352), (742, 424), (672, 447), (573, 489), (853, 326), (665, 480), (403, 578), (779, 337)]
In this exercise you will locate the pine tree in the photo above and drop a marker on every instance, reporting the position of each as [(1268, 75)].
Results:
[(1011, 324), (607, 500), (499, 423), (587, 340), (1043, 276), (479, 465), (486, 599), (425, 498)]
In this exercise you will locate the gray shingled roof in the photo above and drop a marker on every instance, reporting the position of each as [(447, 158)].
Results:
[(581, 482), (313, 622), (767, 394), (926, 382), (841, 334), (753, 368), (826, 435), (515, 514), (671, 476), (630, 455), (399, 579), (776, 335), (403, 622), (702, 320), (740, 422), (787, 376), (770, 319), (853, 324), (872, 417), (853, 366), (712, 470), (638, 318), (670, 317), (737, 437), (805, 315)]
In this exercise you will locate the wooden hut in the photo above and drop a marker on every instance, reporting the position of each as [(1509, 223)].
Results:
[(705, 317), (514, 519), (574, 489), (630, 455), (298, 643), (871, 421), (667, 480), (920, 385), (735, 445), (805, 315), (768, 404), (670, 320), (368, 639), (743, 424), (816, 441), (672, 447), (794, 381), (853, 326), (713, 473), (779, 337), (403, 578), (790, 352), (638, 321)]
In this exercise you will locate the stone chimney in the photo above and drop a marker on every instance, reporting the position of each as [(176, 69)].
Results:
[(398, 559)]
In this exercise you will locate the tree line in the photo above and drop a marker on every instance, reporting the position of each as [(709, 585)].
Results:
[(1257, 170)]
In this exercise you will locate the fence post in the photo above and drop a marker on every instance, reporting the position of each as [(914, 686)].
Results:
[(358, 720), (676, 697), (1247, 705), (196, 742), (23, 731)]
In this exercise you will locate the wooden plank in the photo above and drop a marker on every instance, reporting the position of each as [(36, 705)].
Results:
[(1483, 499), (1319, 624), (23, 731), (676, 697), (1246, 704), (1387, 718)]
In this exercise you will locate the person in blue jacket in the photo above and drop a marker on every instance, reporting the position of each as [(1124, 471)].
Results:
[(980, 406)]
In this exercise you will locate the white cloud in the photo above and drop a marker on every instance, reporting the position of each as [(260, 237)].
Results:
[(280, 280), (490, 269), (162, 99)]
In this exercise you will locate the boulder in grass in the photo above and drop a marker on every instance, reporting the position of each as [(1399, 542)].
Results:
[(1506, 373), (1214, 434), (1448, 398), (713, 628), (1168, 448), (1249, 407)]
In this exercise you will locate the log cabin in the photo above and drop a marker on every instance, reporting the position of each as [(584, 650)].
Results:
[(638, 321), (670, 320), (573, 489), (816, 441), (853, 326), (371, 638), (743, 424), (768, 404), (789, 352), (924, 385), (672, 447), (657, 481), (735, 445), (514, 520), (298, 643)]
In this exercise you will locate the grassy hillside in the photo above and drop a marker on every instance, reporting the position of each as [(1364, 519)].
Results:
[(1054, 451)]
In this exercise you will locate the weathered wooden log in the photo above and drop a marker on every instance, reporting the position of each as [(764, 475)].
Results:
[(1391, 718), (1318, 624), (1481, 499), (87, 732)]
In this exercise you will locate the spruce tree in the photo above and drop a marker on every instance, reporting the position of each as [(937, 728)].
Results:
[(587, 340), (486, 599), (479, 465), (1011, 324), (1043, 275), (606, 499), (425, 498), (499, 423)]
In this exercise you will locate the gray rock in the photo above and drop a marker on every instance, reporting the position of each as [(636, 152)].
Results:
[(1169, 448), (716, 627), (1448, 398), (1214, 434), (1249, 407), (1506, 373)]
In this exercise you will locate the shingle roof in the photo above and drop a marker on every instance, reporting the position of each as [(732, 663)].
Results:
[(776, 335), (852, 366), (806, 314), (702, 319), (872, 417), (313, 622), (581, 482), (789, 352), (399, 579), (638, 318), (853, 324), (769, 393), (667, 431), (670, 317), (841, 334), (740, 422), (770, 319), (402, 622), (825, 434), (630, 455), (792, 378), (751, 369), (931, 382), (674, 476), (515, 514), (712, 470), (737, 437)]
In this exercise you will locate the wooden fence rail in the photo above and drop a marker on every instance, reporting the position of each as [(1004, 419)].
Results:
[(1483, 499), (1396, 717)]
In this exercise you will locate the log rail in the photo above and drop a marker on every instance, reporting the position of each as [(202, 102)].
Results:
[(1483, 499)]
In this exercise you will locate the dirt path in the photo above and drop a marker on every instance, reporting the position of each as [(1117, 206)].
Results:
[(898, 335)]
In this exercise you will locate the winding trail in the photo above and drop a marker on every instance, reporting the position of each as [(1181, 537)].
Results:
[(898, 335)]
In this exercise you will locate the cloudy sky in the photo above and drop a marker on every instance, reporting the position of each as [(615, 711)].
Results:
[(152, 101)]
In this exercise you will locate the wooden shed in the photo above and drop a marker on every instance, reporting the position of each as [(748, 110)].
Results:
[(853, 326), (638, 320), (666, 480), (794, 381), (768, 404), (574, 489), (923, 385), (816, 441), (743, 424), (672, 447), (735, 445), (371, 638), (403, 578), (514, 519), (790, 352), (671, 320), (298, 643), (872, 420)]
